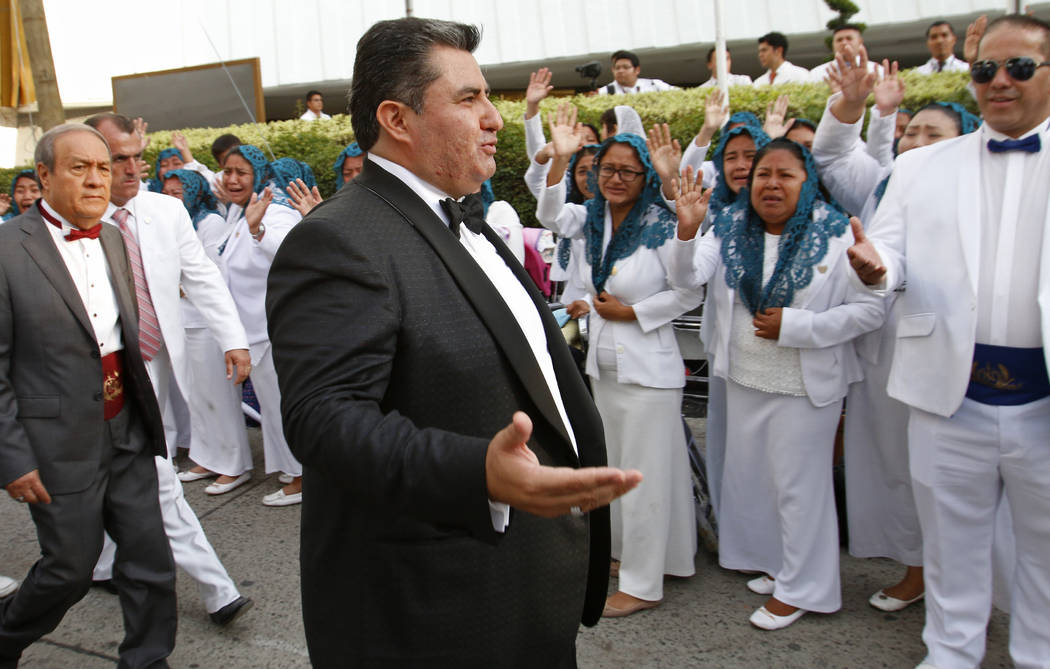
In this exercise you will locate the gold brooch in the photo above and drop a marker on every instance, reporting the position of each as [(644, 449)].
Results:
[(997, 377), (112, 387)]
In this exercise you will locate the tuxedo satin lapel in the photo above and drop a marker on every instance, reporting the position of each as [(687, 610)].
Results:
[(969, 211), (476, 287), (41, 248)]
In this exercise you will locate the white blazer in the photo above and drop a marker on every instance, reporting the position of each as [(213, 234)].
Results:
[(646, 349), (835, 311), (245, 264), (934, 213), (172, 256)]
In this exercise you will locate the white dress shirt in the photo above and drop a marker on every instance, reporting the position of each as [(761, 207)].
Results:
[(787, 73), (509, 288), (734, 80), (309, 115), (89, 270), (952, 64), (1013, 213), (641, 85), (818, 73)]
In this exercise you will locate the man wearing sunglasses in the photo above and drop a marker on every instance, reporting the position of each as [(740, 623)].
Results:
[(971, 215)]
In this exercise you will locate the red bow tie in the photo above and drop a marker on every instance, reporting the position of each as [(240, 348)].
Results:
[(74, 234)]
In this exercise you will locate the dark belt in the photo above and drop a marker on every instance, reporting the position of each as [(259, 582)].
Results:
[(1006, 376), (113, 383)]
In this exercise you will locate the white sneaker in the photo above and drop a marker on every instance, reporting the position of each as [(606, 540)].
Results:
[(8, 586), (280, 499)]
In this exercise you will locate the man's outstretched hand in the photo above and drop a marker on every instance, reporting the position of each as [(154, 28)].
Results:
[(515, 476)]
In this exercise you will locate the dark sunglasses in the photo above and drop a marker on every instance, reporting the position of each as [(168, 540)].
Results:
[(1019, 69)]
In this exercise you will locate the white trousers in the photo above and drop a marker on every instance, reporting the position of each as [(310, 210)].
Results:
[(960, 466), (883, 521), (278, 455), (219, 440), (189, 545), (654, 525), (778, 501)]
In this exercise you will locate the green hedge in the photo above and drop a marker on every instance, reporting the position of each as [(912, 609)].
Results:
[(319, 142)]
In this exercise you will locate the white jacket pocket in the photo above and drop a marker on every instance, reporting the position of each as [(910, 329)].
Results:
[(916, 325)]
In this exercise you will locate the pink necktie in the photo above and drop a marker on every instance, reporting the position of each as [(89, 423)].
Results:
[(150, 339)]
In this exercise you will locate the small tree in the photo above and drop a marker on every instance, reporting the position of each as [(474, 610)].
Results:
[(846, 9)]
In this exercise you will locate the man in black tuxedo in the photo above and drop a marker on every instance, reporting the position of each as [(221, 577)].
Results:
[(404, 340), (79, 423)]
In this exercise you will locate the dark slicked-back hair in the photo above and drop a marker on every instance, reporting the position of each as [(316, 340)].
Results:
[(628, 55), (1023, 21), (310, 94), (222, 144), (123, 123), (711, 53), (848, 26), (775, 40), (393, 63), (937, 24)]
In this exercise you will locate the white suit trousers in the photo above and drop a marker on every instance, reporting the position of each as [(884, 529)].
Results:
[(778, 501), (189, 545), (959, 467)]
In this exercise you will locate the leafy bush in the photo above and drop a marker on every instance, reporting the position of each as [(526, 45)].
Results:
[(319, 142)]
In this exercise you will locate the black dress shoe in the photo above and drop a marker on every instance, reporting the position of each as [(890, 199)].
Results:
[(106, 585), (226, 614)]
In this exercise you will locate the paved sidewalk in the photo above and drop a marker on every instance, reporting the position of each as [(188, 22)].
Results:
[(702, 623)]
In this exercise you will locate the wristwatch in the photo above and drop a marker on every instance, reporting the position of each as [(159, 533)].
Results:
[(257, 235)]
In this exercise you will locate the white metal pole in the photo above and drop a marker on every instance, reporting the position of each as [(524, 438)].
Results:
[(720, 51)]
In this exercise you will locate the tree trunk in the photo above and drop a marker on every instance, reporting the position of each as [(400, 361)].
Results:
[(34, 23)]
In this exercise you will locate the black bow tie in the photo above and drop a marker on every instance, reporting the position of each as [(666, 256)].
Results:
[(470, 212)]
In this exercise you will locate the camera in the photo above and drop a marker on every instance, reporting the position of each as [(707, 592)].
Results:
[(592, 71)]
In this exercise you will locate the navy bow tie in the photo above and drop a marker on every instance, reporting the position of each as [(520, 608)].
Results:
[(470, 212), (1029, 144)]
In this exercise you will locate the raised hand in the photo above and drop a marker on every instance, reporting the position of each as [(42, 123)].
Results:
[(690, 203), (303, 198), (974, 33), (5, 203), (889, 90), (562, 124), (140, 131), (144, 168), (179, 141), (863, 257), (218, 189), (715, 114), (776, 117), (256, 208), (665, 153), (514, 476), (539, 88), (767, 323)]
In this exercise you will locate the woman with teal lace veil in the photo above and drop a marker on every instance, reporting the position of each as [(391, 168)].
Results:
[(881, 514), (348, 164), (24, 192), (633, 361), (786, 314)]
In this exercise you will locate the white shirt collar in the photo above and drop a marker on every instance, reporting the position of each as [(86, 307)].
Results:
[(990, 133), (429, 194), (66, 225)]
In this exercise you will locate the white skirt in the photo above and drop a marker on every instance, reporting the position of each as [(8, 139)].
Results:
[(219, 441), (278, 455), (778, 503), (654, 525)]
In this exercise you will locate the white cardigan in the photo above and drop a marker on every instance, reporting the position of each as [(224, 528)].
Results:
[(646, 349), (836, 310)]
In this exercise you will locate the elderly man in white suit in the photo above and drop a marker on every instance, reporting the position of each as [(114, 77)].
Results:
[(965, 223), (167, 258)]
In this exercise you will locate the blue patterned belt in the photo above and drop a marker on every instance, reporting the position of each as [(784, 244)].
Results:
[(1005, 376)]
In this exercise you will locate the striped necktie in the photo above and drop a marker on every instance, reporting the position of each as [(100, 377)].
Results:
[(150, 339)]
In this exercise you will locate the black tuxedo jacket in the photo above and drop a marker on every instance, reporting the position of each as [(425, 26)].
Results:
[(51, 406), (398, 361)]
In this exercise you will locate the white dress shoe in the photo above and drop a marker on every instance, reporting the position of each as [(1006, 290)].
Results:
[(220, 488), (285, 479), (763, 619), (190, 475), (763, 585), (884, 602), (280, 499), (8, 586)]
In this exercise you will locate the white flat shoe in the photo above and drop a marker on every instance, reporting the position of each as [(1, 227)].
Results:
[(926, 665), (285, 479), (8, 586), (221, 488), (280, 499), (884, 602), (189, 475), (763, 619), (763, 585)]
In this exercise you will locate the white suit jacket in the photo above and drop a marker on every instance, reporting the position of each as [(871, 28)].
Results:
[(932, 208), (172, 256), (835, 311)]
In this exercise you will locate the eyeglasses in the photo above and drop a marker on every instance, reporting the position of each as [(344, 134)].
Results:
[(626, 175), (1019, 69)]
